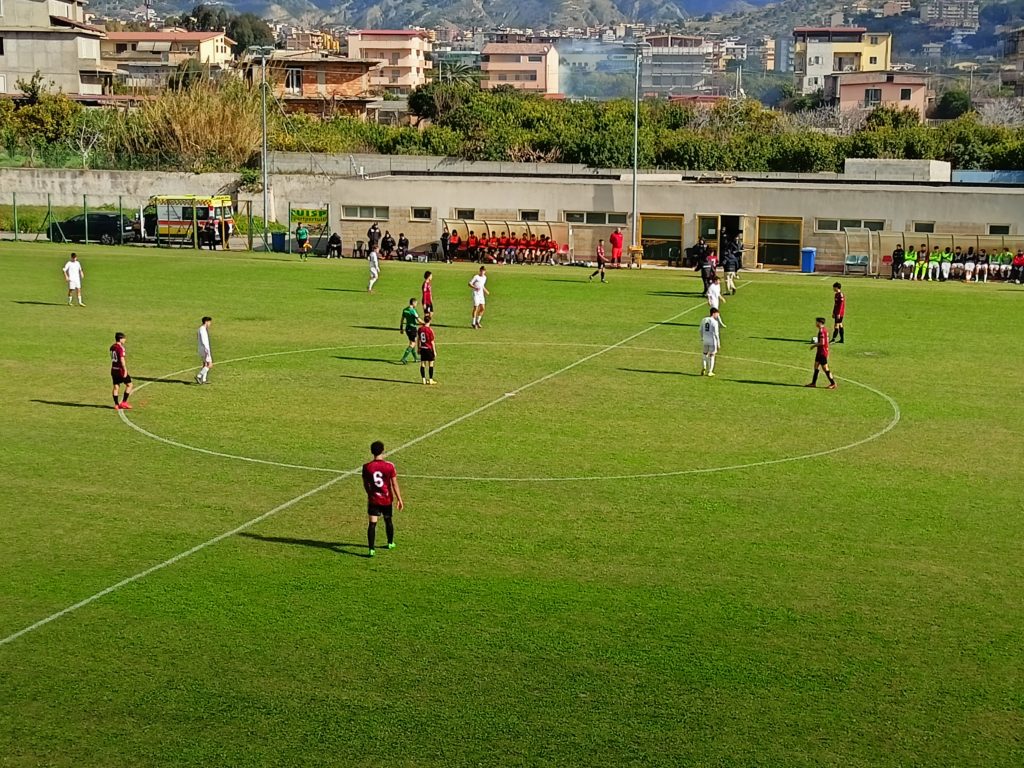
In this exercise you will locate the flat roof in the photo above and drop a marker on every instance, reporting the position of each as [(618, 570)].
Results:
[(393, 32), (165, 37), (827, 30)]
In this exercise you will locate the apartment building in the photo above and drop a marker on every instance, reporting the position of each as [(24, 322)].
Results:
[(676, 64), (148, 59), (405, 56), (317, 82), (1015, 56), (867, 90), (526, 66), (51, 37), (822, 51), (951, 14)]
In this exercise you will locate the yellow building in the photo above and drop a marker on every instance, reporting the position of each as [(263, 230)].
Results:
[(822, 51)]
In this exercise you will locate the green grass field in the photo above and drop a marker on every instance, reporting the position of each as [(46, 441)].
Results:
[(715, 585)]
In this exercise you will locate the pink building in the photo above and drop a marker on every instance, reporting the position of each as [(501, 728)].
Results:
[(404, 55), (527, 66), (866, 90)]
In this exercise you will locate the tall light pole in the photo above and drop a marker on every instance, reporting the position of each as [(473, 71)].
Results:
[(638, 48), (264, 51)]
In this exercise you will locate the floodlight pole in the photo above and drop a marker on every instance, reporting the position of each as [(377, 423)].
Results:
[(263, 52), (637, 52)]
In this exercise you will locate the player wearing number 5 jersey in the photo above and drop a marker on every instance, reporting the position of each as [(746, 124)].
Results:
[(382, 493)]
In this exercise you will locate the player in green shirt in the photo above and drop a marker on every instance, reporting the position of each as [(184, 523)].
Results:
[(947, 264), (409, 323), (1006, 263)]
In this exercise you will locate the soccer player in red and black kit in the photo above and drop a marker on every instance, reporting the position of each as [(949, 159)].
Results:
[(838, 312), (428, 350), (382, 493), (428, 296), (119, 372), (820, 346)]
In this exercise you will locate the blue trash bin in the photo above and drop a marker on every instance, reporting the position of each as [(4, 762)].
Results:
[(807, 257), (278, 244)]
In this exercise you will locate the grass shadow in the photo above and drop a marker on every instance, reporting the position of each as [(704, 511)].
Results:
[(161, 381), (373, 327), (40, 303), (779, 338), (367, 359), (564, 280), (678, 325), (341, 547), (67, 404), (343, 290), (695, 294), (377, 378), (666, 373), (765, 383)]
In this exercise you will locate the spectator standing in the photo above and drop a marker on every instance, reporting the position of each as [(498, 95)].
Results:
[(615, 241), (445, 236), (373, 237), (731, 265)]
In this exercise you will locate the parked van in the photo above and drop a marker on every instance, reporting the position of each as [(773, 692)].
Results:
[(177, 217)]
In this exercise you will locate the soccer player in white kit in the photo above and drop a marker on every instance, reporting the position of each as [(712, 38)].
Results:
[(205, 356), (374, 260), (73, 274), (709, 336), (480, 294), (715, 297)]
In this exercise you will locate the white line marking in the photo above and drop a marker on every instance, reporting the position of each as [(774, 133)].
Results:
[(324, 486)]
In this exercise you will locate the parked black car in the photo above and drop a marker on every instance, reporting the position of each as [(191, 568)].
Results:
[(106, 228)]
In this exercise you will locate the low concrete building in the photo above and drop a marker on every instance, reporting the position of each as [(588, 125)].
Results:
[(148, 59), (51, 37), (524, 66), (867, 90)]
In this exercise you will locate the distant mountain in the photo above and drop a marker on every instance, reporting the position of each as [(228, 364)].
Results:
[(538, 14)]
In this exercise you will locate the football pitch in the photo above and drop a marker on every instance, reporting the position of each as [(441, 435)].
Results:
[(605, 558)]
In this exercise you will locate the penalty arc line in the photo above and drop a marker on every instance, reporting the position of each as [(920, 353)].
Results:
[(324, 486)]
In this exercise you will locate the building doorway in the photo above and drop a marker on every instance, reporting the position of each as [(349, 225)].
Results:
[(719, 228)]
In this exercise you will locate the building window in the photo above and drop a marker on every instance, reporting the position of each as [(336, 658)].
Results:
[(293, 81), (840, 225), (904, 94), (535, 58), (502, 77), (594, 218), (872, 96), (465, 213), (924, 227), (532, 76), (533, 216), (874, 41), (873, 60), (999, 229), (118, 48), (421, 214), (372, 212)]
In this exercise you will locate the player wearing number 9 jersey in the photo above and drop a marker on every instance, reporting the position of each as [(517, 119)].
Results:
[(381, 483)]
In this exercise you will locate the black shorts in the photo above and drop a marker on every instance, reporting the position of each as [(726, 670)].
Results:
[(118, 379), (410, 332), (838, 318), (820, 359), (428, 308), (427, 355), (378, 510)]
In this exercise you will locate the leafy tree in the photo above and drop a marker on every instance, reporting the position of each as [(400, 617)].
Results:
[(891, 117), (953, 104), (248, 29)]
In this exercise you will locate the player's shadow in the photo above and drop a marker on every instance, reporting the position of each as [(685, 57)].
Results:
[(364, 359), (679, 325), (675, 293), (376, 378), (40, 303), (161, 381), (666, 373), (375, 328), (779, 338), (563, 280), (343, 290), (765, 383), (67, 404), (341, 547)]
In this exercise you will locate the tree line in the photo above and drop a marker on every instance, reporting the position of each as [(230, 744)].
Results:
[(207, 126)]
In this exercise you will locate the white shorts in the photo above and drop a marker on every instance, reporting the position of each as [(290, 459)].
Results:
[(710, 349), (374, 273), (206, 358), (479, 300), (969, 266), (74, 285)]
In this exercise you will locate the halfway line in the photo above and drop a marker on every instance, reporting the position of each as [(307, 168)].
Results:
[(334, 480)]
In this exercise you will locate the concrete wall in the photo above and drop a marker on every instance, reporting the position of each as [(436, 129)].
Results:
[(66, 187)]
